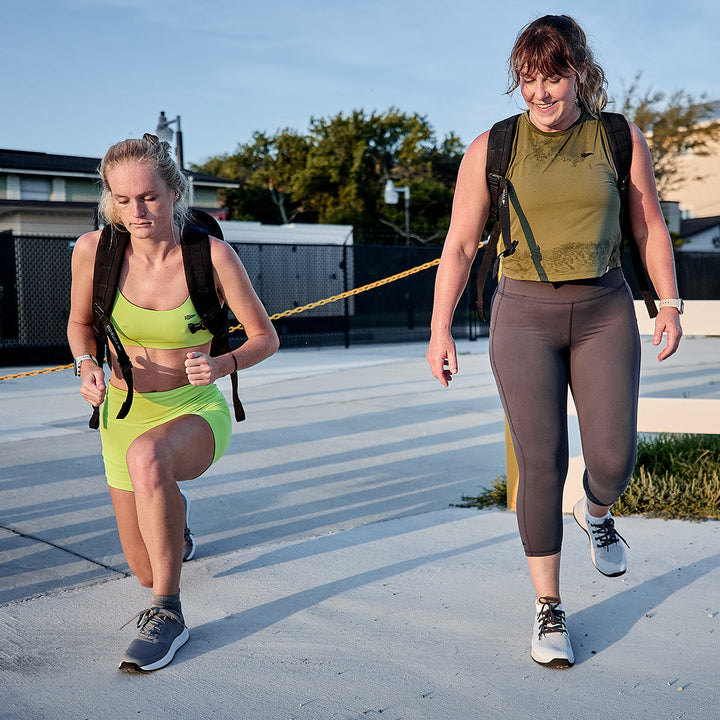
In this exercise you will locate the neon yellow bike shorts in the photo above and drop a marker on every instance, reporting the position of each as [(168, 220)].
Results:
[(150, 410)]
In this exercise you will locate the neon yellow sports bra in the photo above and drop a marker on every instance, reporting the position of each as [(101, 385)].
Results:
[(160, 329)]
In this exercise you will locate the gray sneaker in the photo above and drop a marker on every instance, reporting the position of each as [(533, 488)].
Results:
[(189, 541), (550, 644), (162, 634), (606, 552)]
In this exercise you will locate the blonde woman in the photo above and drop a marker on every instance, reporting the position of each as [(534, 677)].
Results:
[(178, 423)]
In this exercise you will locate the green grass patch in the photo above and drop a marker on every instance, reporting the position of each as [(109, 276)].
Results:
[(676, 476)]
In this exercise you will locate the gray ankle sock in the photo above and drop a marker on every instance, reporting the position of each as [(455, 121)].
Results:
[(171, 602)]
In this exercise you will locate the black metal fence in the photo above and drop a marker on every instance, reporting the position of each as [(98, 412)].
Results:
[(35, 294), (35, 283)]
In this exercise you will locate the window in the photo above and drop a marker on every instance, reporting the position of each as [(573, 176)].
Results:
[(32, 188)]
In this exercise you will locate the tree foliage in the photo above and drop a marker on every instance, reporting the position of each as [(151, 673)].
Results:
[(675, 125), (336, 173)]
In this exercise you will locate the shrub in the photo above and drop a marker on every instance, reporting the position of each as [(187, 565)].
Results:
[(676, 476)]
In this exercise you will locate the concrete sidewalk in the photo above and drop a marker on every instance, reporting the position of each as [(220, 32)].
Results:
[(333, 578)]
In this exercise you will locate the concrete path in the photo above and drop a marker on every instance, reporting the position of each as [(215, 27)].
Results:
[(333, 577)]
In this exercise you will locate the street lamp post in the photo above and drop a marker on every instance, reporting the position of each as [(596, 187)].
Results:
[(391, 198), (165, 132)]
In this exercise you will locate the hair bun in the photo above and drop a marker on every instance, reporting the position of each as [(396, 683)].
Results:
[(155, 140)]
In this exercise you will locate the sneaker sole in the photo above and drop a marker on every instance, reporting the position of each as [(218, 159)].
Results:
[(592, 550), (191, 554), (555, 663), (178, 642)]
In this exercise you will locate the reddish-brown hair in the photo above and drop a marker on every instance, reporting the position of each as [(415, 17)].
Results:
[(557, 45)]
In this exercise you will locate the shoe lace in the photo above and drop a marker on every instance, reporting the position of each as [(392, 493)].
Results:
[(188, 536), (606, 534), (550, 618), (150, 622)]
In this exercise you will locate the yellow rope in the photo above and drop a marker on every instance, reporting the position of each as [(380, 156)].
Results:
[(36, 372), (348, 293), (277, 316)]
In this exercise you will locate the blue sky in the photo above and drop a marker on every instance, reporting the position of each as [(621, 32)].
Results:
[(80, 75)]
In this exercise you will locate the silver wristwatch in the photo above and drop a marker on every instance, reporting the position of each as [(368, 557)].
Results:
[(77, 362), (677, 303)]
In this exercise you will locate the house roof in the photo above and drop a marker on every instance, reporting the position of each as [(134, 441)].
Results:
[(35, 162), (693, 226), (25, 160)]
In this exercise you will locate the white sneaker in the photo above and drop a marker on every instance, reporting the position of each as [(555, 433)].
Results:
[(606, 552), (188, 537), (550, 644)]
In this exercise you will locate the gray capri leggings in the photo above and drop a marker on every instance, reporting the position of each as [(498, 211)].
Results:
[(544, 338)]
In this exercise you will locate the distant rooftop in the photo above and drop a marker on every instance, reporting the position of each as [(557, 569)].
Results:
[(692, 226), (38, 161)]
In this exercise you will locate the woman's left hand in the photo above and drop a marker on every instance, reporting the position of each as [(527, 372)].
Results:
[(201, 369), (667, 322)]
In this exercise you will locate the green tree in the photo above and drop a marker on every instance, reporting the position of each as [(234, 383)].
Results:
[(336, 173), (674, 124), (264, 168), (352, 157)]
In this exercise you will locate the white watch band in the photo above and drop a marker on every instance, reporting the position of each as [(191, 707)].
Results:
[(77, 363), (676, 303)]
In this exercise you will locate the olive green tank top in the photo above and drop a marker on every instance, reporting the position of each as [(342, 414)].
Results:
[(564, 203)]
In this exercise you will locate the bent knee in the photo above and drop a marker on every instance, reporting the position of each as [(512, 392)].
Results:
[(607, 486), (145, 462)]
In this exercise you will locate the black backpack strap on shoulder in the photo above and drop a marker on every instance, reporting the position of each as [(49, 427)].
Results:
[(125, 368), (108, 261), (619, 136), (197, 260), (499, 151)]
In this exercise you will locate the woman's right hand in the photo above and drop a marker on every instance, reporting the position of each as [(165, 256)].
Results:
[(442, 356), (471, 205), (92, 387)]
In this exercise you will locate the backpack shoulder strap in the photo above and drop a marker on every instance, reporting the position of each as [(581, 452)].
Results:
[(200, 278), (106, 272), (619, 137), (108, 261), (197, 261), (499, 151)]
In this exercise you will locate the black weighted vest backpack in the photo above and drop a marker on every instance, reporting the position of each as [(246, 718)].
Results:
[(195, 246), (499, 150)]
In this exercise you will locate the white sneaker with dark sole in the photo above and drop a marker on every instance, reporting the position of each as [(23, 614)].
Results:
[(189, 539), (606, 551), (550, 644)]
